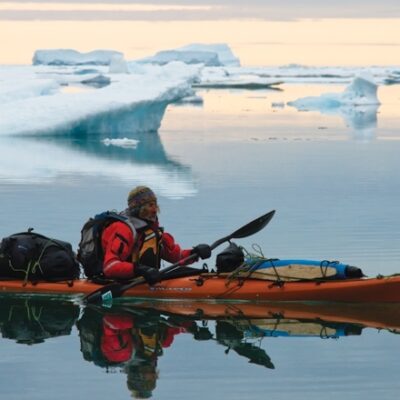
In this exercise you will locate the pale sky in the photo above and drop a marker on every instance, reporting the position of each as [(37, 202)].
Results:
[(262, 32), (161, 10)]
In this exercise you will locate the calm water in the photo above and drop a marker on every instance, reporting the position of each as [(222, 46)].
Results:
[(332, 179)]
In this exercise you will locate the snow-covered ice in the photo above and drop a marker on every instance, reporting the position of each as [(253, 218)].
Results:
[(131, 96), (128, 95)]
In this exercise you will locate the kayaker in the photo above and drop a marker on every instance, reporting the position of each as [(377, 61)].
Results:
[(128, 254)]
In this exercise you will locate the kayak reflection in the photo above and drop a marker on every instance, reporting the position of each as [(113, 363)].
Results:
[(31, 321), (133, 336), (130, 337)]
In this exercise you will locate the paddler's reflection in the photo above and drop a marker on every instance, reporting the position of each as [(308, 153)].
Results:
[(129, 341)]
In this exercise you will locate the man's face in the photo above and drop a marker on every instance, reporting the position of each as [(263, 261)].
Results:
[(149, 211)]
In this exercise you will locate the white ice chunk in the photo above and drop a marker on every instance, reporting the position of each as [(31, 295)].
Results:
[(361, 91), (357, 105), (73, 57), (123, 142), (118, 65)]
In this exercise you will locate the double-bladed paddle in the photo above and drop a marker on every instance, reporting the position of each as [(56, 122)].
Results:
[(113, 290)]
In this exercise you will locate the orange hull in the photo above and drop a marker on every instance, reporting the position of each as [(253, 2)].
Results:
[(212, 287)]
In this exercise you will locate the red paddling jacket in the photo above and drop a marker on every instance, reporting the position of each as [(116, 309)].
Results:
[(127, 244)]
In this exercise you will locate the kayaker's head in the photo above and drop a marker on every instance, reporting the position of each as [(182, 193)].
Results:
[(142, 203)]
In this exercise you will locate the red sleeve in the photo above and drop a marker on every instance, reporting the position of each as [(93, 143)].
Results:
[(117, 241), (117, 322), (171, 251), (170, 334)]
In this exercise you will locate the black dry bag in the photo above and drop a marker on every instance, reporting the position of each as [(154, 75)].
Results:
[(34, 257), (230, 258)]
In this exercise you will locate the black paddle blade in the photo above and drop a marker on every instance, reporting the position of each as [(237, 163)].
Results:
[(104, 294), (254, 226), (109, 292)]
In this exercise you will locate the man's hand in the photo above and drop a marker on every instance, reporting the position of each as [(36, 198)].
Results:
[(150, 274), (202, 250)]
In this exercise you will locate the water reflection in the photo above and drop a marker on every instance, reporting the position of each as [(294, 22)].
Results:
[(130, 338), (32, 321), (43, 161)]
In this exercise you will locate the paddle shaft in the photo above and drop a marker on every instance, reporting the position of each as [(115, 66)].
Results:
[(191, 257)]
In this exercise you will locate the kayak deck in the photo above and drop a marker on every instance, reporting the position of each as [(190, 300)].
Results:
[(214, 287)]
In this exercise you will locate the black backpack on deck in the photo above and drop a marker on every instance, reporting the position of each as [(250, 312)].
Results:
[(34, 257), (90, 251)]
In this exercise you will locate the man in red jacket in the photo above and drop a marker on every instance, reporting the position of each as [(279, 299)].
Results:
[(137, 247)]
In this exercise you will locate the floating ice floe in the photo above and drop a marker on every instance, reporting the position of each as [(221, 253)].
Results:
[(295, 73), (73, 57), (221, 78), (131, 102), (362, 91), (97, 81), (357, 105), (123, 142)]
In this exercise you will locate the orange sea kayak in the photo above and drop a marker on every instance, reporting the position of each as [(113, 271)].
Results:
[(211, 286)]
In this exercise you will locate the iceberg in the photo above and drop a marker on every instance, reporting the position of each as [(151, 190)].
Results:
[(118, 65), (210, 55), (188, 57), (73, 57), (130, 102), (224, 52)]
